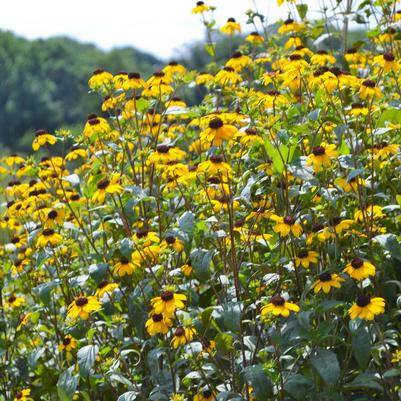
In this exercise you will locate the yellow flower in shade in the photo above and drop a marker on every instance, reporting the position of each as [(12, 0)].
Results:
[(75, 153), (359, 269), (23, 395), (105, 287), (48, 237), (15, 301), (99, 78), (124, 267), (340, 225), (366, 307), (286, 225), (146, 237), (82, 307), (230, 27), (217, 132), (384, 149), (387, 62), (249, 137), (238, 61), (165, 154), (134, 81), (295, 42), (168, 302), (69, 343), (321, 156), (255, 38), (200, 8), (203, 78), (172, 242), (157, 323), (107, 186), (119, 79), (371, 211), (187, 269), (215, 166), (182, 336), (14, 159), (369, 90), (278, 306), (42, 137), (305, 258), (54, 217), (396, 356), (227, 77), (349, 185), (19, 265), (326, 282), (205, 395), (208, 345)]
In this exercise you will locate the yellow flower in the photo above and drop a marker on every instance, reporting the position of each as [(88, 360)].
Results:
[(359, 269), (42, 137), (217, 132), (146, 237), (387, 62), (120, 79), (105, 287), (69, 343), (322, 58), (107, 186), (23, 395), (100, 78), (96, 126), (82, 307), (165, 154), (174, 68), (396, 356), (134, 81), (158, 324), (205, 395), (327, 281), (321, 156), (124, 267), (369, 90), (290, 25), (340, 225), (172, 242), (75, 153), (305, 258), (255, 38), (168, 302), (49, 237), (366, 307), (14, 159), (182, 336), (286, 225), (203, 78), (384, 149), (350, 185), (187, 269), (238, 61), (227, 77), (371, 211), (278, 306), (230, 27), (14, 301), (200, 8)]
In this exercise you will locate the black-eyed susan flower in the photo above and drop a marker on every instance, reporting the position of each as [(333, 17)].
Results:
[(321, 156), (172, 242), (359, 269), (286, 225), (99, 79), (278, 306), (182, 336), (168, 302), (187, 269), (14, 159), (203, 78), (107, 186), (119, 79), (68, 343), (125, 267), (134, 81), (369, 90), (305, 258), (200, 8), (82, 307), (217, 132), (158, 323), (146, 237), (366, 307), (230, 27), (54, 217), (96, 126), (327, 281), (15, 301), (227, 77), (396, 356), (255, 38), (23, 395), (75, 153), (215, 166), (289, 25), (370, 212), (205, 395), (322, 57), (238, 61), (105, 287), (165, 154), (49, 237), (384, 149), (349, 185), (340, 224), (42, 138), (174, 68), (387, 62)]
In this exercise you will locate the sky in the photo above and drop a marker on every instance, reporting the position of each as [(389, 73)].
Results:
[(160, 27)]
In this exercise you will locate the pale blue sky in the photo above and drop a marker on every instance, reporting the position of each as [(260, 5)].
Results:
[(159, 26)]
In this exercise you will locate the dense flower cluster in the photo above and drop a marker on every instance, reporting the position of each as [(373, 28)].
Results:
[(244, 247)]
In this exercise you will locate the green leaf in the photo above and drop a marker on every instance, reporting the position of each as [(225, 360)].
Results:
[(390, 115), (298, 386), (224, 342), (302, 10), (361, 347), (67, 384), (364, 380), (232, 316), (391, 243), (128, 396), (187, 222), (86, 358), (326, 365), (200, 260), (257, 379)]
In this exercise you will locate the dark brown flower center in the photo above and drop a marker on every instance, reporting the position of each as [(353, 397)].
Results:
[(251, 131), (318, 150), (357, 263), (142, 233), (167, 296), (231, 20), (98, 71), (157, 318), (288, 21), (325, 277), (388, 56), (303, 254), (170, 240), (180, 331), (200, 3), (81, 301), (12, 299), (163, 149), (102, 284), (103, 184), (40, 132), (124, 260), (295, 57), (236, 55), (369, 83), (48, 232), (207, 393), (277, 300), (52, 214), (66, 341), (363, 300), (289, 220), (94, 121), (228, 69)]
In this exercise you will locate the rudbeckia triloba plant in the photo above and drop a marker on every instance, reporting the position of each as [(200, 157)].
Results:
[(246, 247)]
